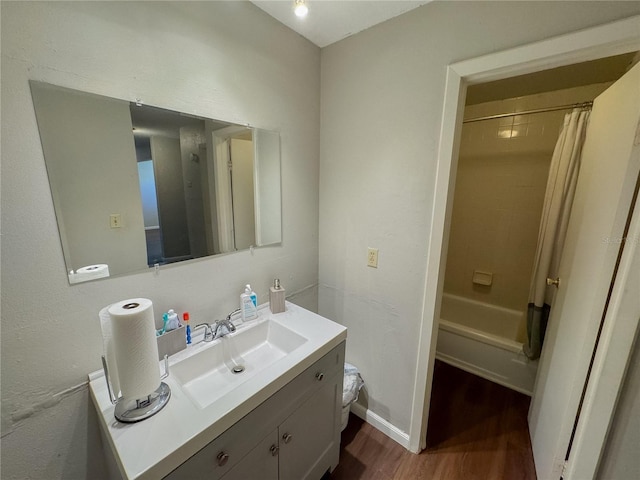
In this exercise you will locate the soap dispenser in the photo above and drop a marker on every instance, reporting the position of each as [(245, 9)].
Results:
[(276, 297), (249, 304)]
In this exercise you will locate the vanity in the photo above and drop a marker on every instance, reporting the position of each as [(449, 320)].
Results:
[(277, 419)]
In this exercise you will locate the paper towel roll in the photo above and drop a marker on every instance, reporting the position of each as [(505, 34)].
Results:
[(109, 349), (135, 346), (90, 272)]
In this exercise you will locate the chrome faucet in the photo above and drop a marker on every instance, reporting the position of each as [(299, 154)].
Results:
[(218, 329), (224, 327), (208, 331)]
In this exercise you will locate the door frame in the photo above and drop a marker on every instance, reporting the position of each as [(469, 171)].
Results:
[(590, 44)]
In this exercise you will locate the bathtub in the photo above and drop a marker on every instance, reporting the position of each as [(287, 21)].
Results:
[(482, 339)]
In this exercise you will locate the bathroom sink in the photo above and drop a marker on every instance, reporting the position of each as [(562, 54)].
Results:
[(224, 364)]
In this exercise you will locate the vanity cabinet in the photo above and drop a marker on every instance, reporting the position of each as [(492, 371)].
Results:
[(309, 434), (260, 463), (293, 435)]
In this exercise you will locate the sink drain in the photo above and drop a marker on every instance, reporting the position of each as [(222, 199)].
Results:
[(237, 369)]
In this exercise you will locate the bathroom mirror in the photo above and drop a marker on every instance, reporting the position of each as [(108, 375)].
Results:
[(136, 186)]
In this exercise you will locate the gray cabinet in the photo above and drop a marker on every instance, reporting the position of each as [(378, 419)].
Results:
[(260, 463), (293, 435), (311, 434)]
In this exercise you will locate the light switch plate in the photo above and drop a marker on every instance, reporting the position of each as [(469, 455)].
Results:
[(115, 220)]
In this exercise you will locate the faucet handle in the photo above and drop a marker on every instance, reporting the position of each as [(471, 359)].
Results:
[(208, 332), (231, 326), (237, 310)]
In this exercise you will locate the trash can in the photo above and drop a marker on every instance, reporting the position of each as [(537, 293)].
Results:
[(350, 389)]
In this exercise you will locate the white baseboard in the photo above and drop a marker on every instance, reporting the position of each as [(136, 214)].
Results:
[(379, 423)]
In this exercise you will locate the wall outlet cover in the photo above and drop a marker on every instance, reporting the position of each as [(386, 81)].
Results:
[(372, 257)]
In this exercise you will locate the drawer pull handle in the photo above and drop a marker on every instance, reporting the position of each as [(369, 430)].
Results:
[(274, 450), (319, 376), (223, 458), (287, 437)]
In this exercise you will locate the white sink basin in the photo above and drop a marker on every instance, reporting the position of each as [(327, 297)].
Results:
[(207, 375)]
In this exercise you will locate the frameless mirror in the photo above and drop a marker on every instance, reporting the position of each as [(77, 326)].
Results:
[(136, 186)]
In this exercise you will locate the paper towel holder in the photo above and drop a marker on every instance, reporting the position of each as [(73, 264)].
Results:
[(136, 410)]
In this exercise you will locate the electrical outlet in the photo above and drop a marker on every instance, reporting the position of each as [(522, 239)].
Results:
[(372, 257), (115, 220)]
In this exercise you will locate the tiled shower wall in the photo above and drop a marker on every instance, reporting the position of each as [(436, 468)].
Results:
[(500, 187)]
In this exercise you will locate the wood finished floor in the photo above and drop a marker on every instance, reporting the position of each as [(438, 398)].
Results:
[(477, 430)]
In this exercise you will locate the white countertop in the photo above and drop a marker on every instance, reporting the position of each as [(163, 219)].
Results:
[(154, 447)]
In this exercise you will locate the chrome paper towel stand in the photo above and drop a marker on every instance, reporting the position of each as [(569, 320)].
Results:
[(135, 410)]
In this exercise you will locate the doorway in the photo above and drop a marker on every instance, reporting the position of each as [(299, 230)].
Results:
[(506, 151), (612, 39)]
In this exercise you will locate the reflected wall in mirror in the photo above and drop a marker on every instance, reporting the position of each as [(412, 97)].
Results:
[(134, 186)]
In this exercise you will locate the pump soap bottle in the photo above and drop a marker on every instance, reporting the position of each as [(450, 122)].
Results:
[(276, 297), (249, 304)]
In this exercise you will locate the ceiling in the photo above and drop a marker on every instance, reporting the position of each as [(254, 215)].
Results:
[(331, 20)]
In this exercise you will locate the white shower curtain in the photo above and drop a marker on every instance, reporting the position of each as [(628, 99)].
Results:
[(561, 185)]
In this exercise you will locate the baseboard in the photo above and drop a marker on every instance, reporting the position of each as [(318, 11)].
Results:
[(379, 423), (480, 372)]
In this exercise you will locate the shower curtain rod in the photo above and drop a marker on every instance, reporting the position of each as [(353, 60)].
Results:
[(529, 112)]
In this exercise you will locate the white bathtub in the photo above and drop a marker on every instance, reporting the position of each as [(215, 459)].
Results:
[(481, 339)]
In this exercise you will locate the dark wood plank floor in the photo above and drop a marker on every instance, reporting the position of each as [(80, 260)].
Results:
[(477, 430)]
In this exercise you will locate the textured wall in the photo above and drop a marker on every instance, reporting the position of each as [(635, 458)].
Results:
[(225, 60), (382, 92)]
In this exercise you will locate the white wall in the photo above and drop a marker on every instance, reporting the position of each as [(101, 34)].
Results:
[(382, 94), (226, 60)]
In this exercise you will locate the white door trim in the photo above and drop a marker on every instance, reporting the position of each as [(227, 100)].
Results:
[(610, 39)]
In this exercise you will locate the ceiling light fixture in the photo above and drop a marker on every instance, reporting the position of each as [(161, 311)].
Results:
[(300, 8)]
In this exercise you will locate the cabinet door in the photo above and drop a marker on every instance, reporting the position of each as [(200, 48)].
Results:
[(260, 463), (309, 438)]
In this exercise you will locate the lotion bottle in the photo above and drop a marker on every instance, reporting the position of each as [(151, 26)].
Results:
[(249, 304)]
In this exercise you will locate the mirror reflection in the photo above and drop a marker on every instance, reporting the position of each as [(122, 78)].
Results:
[(136, 186)]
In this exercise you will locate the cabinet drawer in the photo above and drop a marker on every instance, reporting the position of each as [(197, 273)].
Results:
[(317, 374)]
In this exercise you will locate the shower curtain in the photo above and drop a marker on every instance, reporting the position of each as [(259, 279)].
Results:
[(561, 185)]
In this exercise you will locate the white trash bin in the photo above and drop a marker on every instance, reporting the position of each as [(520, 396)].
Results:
[(350, 389)]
